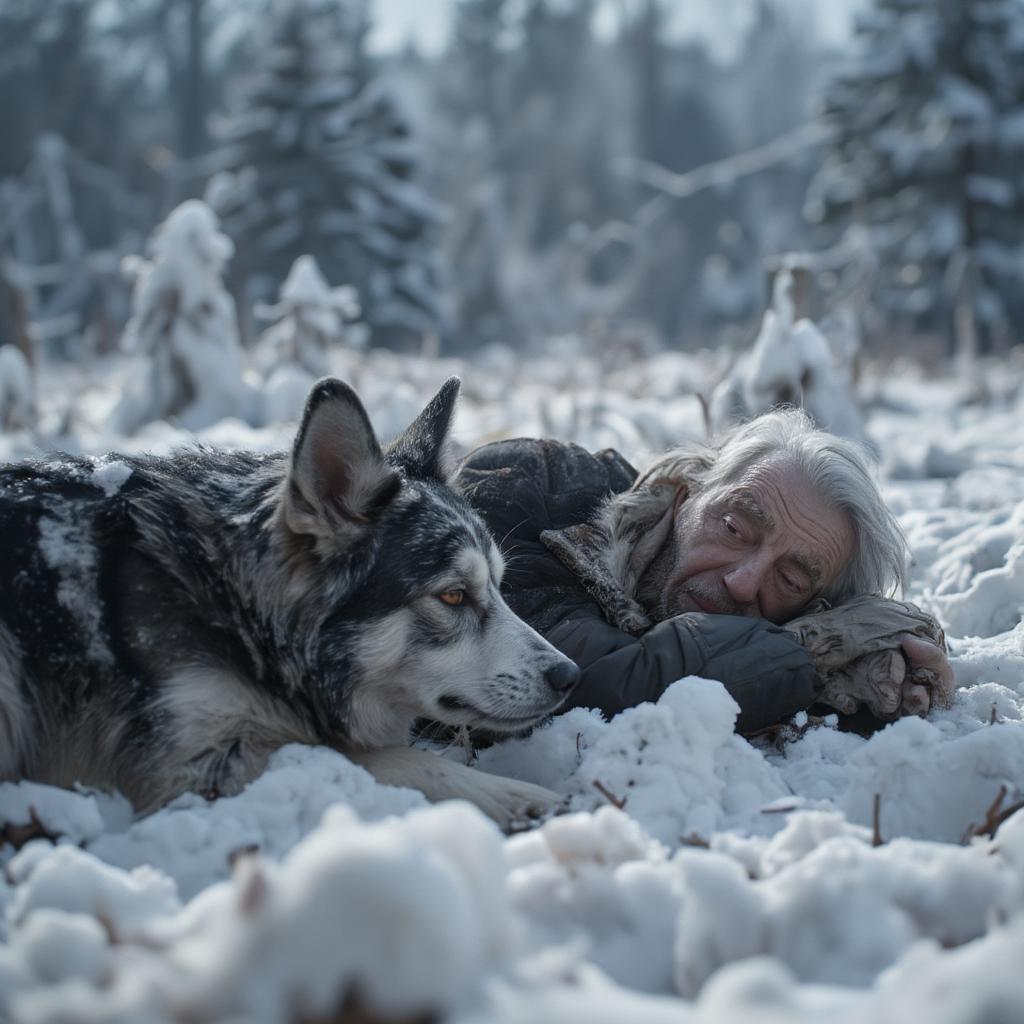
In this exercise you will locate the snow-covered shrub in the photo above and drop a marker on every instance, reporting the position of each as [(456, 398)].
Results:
[(17, 400), (310, 319), (791, 362), (184, 329)]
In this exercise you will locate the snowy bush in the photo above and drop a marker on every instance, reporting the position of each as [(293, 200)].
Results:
[(312, 319), (791, 362), (183, 329)]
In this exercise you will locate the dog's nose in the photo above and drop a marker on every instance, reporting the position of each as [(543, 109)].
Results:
[(563, 675)]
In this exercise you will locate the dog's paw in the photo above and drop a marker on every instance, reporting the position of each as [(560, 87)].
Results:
[(513, 805), (228, 772)]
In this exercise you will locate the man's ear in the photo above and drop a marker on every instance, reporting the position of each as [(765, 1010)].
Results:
[(338, 478), (422, 450)]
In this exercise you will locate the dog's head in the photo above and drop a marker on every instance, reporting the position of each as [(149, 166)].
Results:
[(407, 580)]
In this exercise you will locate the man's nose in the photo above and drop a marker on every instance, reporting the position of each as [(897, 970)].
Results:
[(743, 579)]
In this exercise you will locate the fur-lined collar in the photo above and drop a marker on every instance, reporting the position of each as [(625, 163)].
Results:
[(610, 554)]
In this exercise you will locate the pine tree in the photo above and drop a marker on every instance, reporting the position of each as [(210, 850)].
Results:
[(927, 154), (317, 165)]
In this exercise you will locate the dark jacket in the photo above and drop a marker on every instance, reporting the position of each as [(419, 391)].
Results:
[(524, 487)]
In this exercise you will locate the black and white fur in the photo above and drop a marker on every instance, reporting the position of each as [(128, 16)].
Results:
[(166, 623)]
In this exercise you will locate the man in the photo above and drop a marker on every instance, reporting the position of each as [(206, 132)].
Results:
[(694, 567)]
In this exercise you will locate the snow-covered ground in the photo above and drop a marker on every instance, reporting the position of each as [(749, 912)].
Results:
[(696, 878)]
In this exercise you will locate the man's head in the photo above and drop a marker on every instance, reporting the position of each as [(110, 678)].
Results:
[(771, 516)]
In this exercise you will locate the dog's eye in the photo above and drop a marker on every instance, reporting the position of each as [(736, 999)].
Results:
[(452, 597)]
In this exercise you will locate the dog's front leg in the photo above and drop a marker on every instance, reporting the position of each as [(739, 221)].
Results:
[(507, 801)]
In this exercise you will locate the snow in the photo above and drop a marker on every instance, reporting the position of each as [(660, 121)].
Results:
[(705, 879), (66, 546), (109, 475)]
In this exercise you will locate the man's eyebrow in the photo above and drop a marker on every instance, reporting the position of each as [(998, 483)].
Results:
[(744, 501), (807, 565)]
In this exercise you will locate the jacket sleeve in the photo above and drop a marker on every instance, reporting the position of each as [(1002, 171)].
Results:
[(769, 675)]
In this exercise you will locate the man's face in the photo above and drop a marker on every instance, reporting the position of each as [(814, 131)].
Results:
[(765, 547)]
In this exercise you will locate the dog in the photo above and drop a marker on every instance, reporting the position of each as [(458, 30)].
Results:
[(166, 623)]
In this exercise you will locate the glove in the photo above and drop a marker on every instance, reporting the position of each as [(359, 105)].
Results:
[(861, 650)]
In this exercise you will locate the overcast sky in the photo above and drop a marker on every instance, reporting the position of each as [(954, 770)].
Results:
[(719, 22)]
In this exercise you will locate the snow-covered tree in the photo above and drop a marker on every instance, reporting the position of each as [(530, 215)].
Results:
[(791, 362), (310, 318), (927, 153), (183, 328), (317, 165)]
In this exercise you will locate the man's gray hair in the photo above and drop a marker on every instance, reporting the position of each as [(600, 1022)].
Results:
[(839, 469)]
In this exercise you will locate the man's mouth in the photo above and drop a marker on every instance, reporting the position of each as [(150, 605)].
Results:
[(704, 603)]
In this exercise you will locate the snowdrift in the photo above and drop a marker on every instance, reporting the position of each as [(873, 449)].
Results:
[(696, 877)]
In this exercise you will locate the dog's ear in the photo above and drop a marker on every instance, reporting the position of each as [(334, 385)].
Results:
[(422, 451), (338, 477)]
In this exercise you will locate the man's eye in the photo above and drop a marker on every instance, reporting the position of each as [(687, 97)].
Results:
[(791, 584), (452, 597), (731, 526)]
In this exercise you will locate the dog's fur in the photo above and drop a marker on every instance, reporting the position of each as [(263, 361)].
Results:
[(166, 623)]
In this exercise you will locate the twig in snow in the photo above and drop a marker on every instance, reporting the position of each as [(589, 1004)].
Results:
[(615, 801), (994, 718), (695, 840), (235, 855), (994, 816), (19, 835), (780, 810), (705, 413), (253, 886), (876, 837)]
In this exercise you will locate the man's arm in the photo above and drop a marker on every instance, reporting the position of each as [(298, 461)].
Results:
[(763, 668)]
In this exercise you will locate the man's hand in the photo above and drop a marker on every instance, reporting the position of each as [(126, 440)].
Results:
[(888, 656), (931, 676)]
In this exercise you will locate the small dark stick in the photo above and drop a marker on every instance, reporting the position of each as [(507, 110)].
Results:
[(994, 816), (876, 838), (615, 801), (780, 810), (693, 839)]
